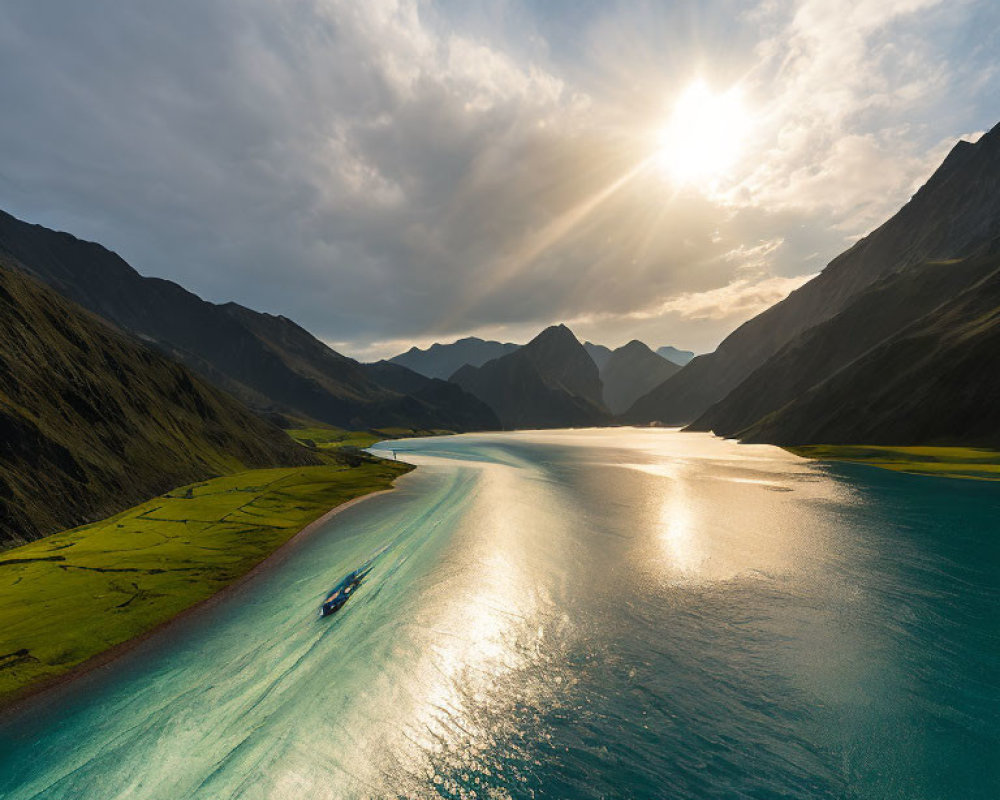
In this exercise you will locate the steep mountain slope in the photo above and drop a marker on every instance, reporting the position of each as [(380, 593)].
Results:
[(267, 361), (952, 216), (548, 383), (454, 408), (92, 422), (598, 352), (874, 315), (935, 382), (443, 360), (367, 395), (678, 357), (630, 372)]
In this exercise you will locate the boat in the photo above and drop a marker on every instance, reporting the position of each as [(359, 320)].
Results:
[(342, 592)]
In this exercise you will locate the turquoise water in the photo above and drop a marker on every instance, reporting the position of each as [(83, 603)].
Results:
[(585, 614)]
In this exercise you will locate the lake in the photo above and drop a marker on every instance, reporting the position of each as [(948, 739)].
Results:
[(610, 613)]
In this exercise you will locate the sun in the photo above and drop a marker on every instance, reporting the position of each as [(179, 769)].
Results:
[(705, 136)]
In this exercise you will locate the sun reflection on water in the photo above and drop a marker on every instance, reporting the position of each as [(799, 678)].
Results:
[(679, 534), (479, 637)]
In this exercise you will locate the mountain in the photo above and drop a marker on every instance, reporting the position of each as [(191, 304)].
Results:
[(598, 352), (267, 361), (630, 372), (934, 382), (388, 392), (891, 305), (551, 382), (678, 357), (92, 421), (953, 216), (443, 360), (459, 410)]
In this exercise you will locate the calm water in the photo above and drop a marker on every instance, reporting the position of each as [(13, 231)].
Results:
[(587, 614)]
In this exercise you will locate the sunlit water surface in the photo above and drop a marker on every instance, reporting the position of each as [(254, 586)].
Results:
[(578, 614)]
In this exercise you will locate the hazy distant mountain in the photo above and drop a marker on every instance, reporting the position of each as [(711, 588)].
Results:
[(456, 409), (551, 382), (92, 421), (954, 215), (630, 372), (679, 357), (598, 352), (267, 361), (442, 360)]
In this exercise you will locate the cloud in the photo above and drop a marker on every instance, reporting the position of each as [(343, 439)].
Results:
[(843, 84), (742, 298), (395, 170)]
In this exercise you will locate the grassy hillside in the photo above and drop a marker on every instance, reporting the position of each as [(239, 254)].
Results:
[(332, 440), (73, 595), (92, 421)]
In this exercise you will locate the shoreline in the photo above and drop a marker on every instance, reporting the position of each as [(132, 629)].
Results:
[(39, 693), (928, 461)]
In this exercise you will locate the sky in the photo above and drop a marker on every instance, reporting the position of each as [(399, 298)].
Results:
[(395, 172)]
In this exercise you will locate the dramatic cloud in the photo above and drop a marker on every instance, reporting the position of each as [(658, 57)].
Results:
[(394, 171), (738, 300)]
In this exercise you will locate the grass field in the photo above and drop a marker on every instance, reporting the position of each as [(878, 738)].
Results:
[(70, 596), (945, 462), (337, 438)]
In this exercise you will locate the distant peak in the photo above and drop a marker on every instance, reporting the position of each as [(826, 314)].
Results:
[(555, 332)]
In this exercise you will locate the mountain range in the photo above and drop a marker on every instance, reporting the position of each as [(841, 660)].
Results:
[(267, 361), (443, 360), (115, 386), (550, 382), (93, 421), (815, 349), (630, 372), (634, 368)]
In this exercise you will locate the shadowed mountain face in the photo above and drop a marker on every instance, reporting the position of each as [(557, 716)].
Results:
[(678, 357), (630, 372), (92, 422), (891, 305), (953, 216), (551, 382), (267, 361), (443, 360), (936, 381)]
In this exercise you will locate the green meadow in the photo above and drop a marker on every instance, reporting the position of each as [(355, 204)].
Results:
[(75, 594), (325, 439), (945, 462)]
